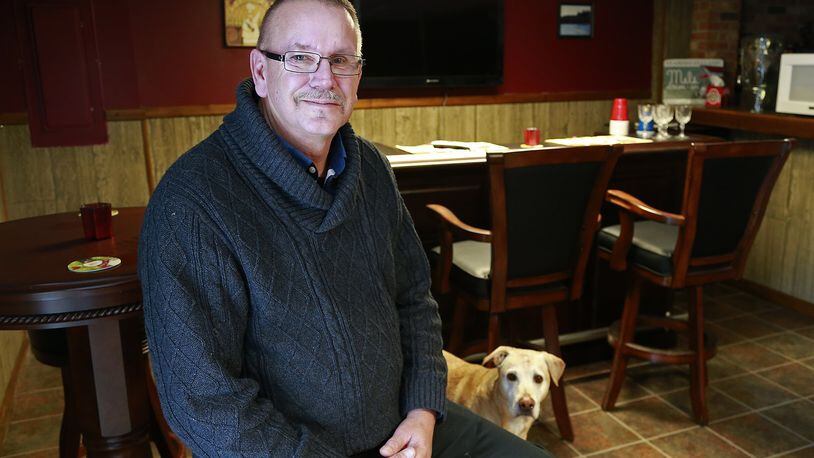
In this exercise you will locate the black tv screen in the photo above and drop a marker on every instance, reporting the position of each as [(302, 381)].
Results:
[(431, 43)]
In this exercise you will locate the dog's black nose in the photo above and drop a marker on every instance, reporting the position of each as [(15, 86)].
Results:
[(526, 404)]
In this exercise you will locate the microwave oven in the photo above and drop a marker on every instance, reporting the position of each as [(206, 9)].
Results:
[(795, 86)]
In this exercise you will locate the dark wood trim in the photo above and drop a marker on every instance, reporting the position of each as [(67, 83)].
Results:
[(8, 396), (765, 123), (501, 98), (13, 118), (189, 110), (778, 297), (635, 206), (458, 227), (126, 114), (658, 52)]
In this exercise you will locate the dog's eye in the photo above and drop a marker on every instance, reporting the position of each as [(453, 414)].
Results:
[(538, 378), (511, 376)]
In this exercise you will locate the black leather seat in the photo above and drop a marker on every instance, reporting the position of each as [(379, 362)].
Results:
[(652, 246)]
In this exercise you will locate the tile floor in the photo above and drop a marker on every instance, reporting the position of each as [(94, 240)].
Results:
[(761, 396)]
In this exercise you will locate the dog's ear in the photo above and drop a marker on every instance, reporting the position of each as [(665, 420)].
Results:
[(496, 358), (556, 367)]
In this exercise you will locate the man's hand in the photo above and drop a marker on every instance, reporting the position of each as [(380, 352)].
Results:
[(413, 437)]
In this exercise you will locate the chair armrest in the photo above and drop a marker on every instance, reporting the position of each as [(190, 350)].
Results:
[(628, 207), (633, 205), (450, 225), (451, 222)]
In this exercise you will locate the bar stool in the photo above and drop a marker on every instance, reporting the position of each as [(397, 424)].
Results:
[(726, 189), (545, 214)]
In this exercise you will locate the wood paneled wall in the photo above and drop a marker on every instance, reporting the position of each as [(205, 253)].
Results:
[(11, 343), (38, 181), (492, 123), (168, 138), (782, 257)]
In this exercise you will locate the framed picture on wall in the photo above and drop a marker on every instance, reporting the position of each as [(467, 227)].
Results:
[(575, 20), (242, 19)]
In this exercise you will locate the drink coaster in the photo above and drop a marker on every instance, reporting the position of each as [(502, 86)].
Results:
[(94, 264)]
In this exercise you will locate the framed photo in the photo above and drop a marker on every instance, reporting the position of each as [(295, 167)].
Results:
[(575, 20), (242, 19)]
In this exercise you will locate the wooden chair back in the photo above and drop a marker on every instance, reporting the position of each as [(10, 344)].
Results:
[(727, 188), (545, 212)]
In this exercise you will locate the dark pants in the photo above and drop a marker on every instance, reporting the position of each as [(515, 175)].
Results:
[(465, 434)]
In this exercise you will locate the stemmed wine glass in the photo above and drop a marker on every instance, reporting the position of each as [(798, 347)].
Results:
[(645, 116), (683, 115), (662, 116)]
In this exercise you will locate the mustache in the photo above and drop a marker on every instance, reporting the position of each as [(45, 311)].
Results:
[(319, 95)]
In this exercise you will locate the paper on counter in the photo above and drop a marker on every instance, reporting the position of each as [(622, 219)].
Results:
[(438, 155), (447, 146), (597, 140)]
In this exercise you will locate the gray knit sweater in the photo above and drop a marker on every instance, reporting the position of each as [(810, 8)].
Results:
[(283, 320)]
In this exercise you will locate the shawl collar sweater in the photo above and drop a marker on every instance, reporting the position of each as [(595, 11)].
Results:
[(283, 320)]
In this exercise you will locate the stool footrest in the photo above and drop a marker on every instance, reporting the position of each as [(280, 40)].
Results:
[(676, 355)]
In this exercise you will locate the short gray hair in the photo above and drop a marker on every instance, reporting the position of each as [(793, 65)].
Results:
[(344, 4)]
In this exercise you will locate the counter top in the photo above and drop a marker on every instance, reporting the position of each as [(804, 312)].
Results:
[(672, 144), (785, 125)]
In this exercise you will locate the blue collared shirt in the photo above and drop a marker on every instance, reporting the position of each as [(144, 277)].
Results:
[(335, 164)]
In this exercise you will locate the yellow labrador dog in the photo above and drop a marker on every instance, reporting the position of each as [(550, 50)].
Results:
[(508, 391)]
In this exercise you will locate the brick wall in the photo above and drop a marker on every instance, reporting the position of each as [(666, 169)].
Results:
[(792, 21), (716, 32)]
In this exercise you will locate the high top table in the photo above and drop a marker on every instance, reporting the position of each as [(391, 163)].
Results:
[(89, 324)]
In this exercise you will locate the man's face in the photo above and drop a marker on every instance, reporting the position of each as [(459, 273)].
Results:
[(308, 105)]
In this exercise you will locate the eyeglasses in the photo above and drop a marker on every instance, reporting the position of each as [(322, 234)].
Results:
[(308, 62)]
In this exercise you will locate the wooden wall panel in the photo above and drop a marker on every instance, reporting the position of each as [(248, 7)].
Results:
[(677, 28), (11, 343), (503, 123), (416, 125), (377, 125), (782, 257), (121, 177), (27, 184), (778, 206), (457, 123), (171, 137), (552, 119), (39, 181), (672, 26), (801, 188)]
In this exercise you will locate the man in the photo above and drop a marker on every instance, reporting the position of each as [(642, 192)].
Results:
[(286, 293)]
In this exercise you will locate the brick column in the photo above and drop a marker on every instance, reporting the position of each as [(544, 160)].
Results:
[(716, 33)]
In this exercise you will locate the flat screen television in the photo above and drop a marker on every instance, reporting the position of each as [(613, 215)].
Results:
[(431, 43)]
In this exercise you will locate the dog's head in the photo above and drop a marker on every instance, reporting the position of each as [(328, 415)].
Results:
[(525, 377)]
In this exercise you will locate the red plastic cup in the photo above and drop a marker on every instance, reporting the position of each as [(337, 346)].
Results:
[(531, 136), (619, 110), (97, 220)]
